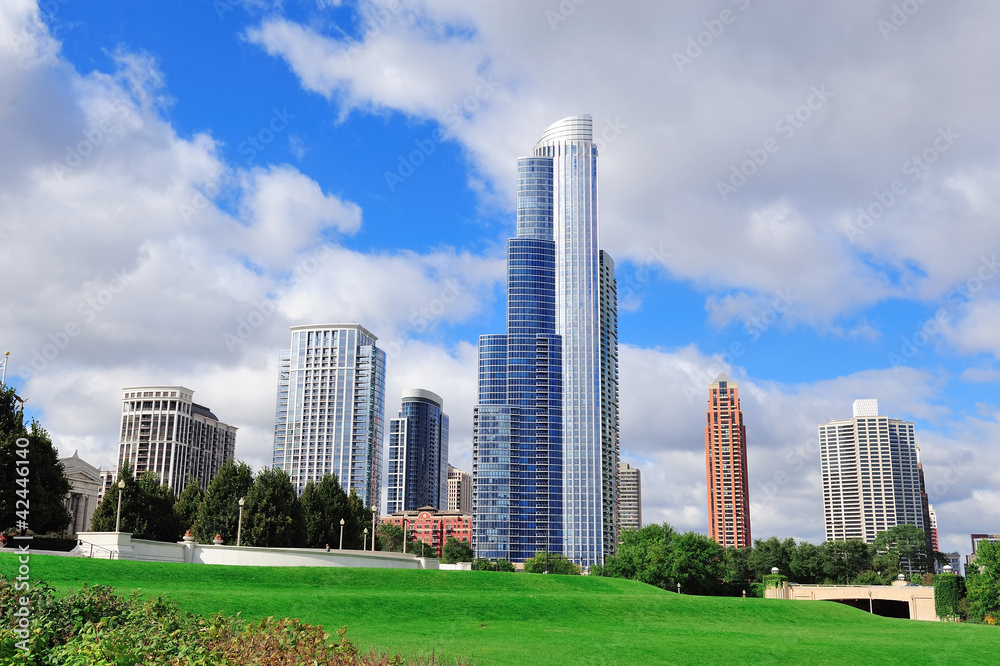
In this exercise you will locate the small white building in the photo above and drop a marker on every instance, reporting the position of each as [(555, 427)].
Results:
[(85, 488)]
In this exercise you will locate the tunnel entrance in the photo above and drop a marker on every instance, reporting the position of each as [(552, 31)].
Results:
[(883, 607)]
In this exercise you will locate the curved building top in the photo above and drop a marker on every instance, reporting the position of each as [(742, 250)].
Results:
[(417, 393), (571, 128)]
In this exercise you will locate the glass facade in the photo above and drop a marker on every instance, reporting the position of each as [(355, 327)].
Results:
[(417, 468), (546, 425), (330, 408)]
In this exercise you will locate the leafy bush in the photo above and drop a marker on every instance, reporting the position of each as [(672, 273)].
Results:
[(949, 591), (99, 626)]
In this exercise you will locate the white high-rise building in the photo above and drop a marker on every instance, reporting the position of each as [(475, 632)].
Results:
[(629, 497), (165, 432), (331, 407), (459, 490), (871, 480)]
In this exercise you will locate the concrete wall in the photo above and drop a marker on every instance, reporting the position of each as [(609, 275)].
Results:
[(920, 599), (121, 545)]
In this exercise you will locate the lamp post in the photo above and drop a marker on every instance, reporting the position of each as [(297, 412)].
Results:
[(404, 535), (374, 531), (118, 520), (239, 525), (341, 534), (365, 542), (678, 588)]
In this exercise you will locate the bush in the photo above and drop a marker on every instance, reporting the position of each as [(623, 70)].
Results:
[(96, 625), (949, 591)]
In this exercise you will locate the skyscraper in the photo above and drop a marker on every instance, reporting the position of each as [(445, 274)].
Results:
[(546, 424), (417, 468), (331, 406), (726, 466), (459, 491), (629, 497), (871, 480), (165, 432)]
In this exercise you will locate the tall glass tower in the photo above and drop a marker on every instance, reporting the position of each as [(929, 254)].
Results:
[(331, 406), (546, 426), (418, 454)]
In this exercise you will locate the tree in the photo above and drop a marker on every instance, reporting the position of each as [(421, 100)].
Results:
[(643, 555), (983, 583), (390, 538), (806, 565), (219, 511), (843, 560), (738, 574), (949, 591), (421, 548), (45, 485), (324, 504), (904, 547), (771, 553), (272, 515), (698, 564), (553, 563), (147, 508), (188, 503), (456, 550)]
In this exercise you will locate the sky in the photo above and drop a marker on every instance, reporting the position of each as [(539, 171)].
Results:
[(802, 195)]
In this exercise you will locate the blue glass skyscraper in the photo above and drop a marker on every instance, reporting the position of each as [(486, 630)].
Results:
[(546, 425), (417, 469)]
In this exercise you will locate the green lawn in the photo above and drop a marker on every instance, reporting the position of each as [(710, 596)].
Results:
[(499, 618)]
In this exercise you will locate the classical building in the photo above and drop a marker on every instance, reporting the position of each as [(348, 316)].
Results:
[(417, 466), (459, 491), (545, 431), (165, 432), (871, 475), (726, 466), (629, 497), (85, 488), (431, 526)]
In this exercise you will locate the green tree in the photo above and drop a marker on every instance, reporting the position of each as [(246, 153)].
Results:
[(843, 560), (272, 515), (698, 564), (188, 503), (421, 548), (806, 565), (390, 538), (904, 547), (324, 504), (643, 555), (553, 563), (46, 485), (147, 508), (949, 591), (983, 583), (456, 550), (738, 574), (219, 511), (771, 553)]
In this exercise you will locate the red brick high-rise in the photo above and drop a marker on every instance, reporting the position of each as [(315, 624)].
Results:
[(726, 466)]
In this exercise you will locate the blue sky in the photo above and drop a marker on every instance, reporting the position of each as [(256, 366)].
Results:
[(241, 137)]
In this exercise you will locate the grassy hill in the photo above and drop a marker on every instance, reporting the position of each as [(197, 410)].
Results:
[(499, 618)]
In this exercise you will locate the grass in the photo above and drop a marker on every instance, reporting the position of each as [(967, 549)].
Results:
[(500, 618)]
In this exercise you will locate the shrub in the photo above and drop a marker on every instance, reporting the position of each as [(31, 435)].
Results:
[(949, 591)]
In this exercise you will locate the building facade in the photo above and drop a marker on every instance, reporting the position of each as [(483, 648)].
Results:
[(546, 423), (165, 432), (629, 497), (871, 475), (459, 491), (431, 526), (85, 488), (417, 466), (330, 408), (726, 466)]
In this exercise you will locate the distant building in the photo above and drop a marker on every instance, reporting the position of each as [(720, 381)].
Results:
[(955, 560), (726, 466), (629, 497), (433, 527), (976, 540), (85, 488), (417, 466), (933, 533), (165, 432), (330, 409), (459, 490), (871, 474)]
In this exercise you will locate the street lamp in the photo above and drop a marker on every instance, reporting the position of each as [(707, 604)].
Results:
[(365, 542), (341, 534), (239, 525), (678, 588), (118, 520), (404, 535), (374, 531)]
